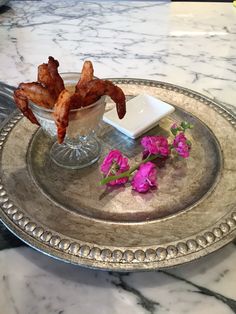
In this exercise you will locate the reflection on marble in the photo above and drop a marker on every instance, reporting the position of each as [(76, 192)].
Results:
[(33, 283), (173, 42)]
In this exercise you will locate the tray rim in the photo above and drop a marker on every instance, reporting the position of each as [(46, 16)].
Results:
[(107, 258)]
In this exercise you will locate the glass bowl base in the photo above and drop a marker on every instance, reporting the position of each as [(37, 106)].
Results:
[(78, 156)]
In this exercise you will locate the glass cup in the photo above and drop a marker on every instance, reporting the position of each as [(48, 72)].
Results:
[(81, 147)]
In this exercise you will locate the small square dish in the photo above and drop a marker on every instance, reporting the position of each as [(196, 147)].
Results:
[(142, 113)]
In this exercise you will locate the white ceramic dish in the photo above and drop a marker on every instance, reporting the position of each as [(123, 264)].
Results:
[(143, 113)]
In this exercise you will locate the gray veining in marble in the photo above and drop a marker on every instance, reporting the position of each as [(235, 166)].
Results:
[(181, 43), (33, 283)]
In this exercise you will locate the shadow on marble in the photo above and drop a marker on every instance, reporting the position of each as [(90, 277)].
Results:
[(4, 8)]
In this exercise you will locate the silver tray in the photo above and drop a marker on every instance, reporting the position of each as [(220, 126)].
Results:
[(66, 215)]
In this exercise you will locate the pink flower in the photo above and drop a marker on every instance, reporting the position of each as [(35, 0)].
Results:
[(174, 129), (155, 145), (145, 178), (174, 126), (182, 145), (114, 164)]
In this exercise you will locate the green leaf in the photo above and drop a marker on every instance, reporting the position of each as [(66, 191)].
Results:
[(183, 124), (174, 131), (189, 142), (186, 125)]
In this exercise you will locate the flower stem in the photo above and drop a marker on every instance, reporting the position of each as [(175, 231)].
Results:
[(128, 172)]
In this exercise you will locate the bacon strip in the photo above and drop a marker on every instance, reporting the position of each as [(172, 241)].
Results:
[(61, 114), (22, 103), (49, 92), (97, 88), (86, 75)]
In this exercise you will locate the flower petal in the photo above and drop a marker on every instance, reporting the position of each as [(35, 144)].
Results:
[(145, 178)]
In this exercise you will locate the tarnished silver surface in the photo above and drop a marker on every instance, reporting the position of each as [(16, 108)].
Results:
[(7, 105), (66, 215), (182, 183)]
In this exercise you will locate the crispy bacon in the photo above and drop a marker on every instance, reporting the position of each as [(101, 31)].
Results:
[(49, 92), (95, 89), (58, 81), (61, 114), (86, 75), (22, 103)]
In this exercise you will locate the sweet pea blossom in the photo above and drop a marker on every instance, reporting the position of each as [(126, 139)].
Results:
[(156, 151), (182, 145), (154, 145), (145, 178), (114, 164), (174, 129)]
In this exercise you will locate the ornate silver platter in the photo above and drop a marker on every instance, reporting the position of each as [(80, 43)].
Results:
[(65, 214)]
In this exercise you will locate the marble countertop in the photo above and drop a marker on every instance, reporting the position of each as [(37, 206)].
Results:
[(188, 44)]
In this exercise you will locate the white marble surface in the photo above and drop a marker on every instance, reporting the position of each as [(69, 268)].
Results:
[(32, 283), (189, 44)]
